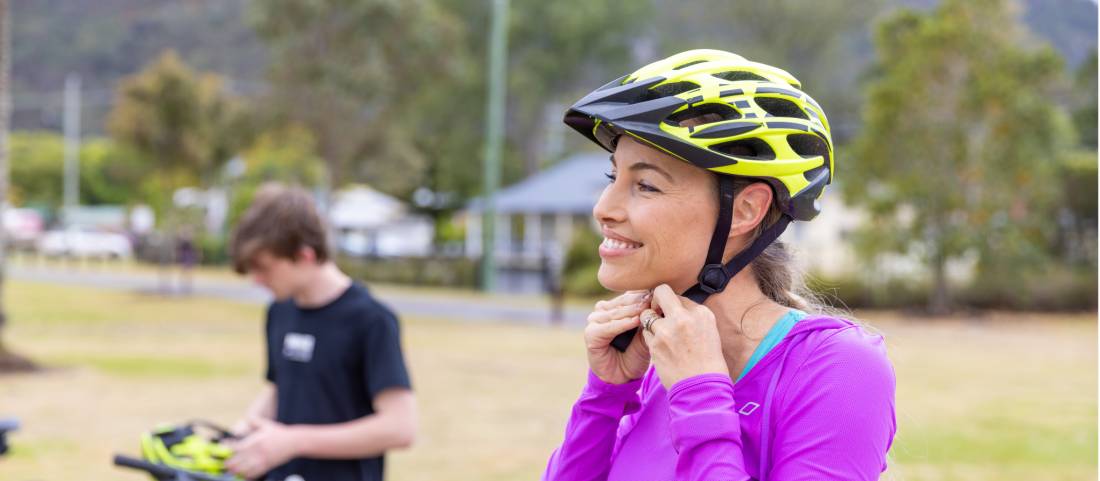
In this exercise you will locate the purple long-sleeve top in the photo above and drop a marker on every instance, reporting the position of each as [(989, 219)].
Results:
[(818, 406)]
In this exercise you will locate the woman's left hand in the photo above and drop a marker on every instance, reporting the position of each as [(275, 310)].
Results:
[(685, 342)]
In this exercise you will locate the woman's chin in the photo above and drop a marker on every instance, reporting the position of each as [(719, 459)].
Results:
[(618, 280)]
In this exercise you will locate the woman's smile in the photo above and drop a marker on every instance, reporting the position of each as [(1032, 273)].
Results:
[(615, 245)]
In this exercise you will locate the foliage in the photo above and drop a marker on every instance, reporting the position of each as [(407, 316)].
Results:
[(181, 122), (109, 173), (346, 70), (37, 159), (961, 143), (285, 155), (1084, 113), (582, 263), (417, 271)]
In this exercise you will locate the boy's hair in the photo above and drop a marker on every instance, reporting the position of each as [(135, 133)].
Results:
[(281, 220)]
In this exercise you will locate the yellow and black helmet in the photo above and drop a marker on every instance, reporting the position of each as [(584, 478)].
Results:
[(758, 123), (183, 447)]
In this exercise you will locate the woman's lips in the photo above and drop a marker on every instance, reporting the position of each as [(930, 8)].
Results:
[(616, 247)]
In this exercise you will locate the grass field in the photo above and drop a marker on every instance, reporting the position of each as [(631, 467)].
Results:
[(1003, 397)]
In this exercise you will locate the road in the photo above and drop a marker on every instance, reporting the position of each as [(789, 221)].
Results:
[(405, 301)]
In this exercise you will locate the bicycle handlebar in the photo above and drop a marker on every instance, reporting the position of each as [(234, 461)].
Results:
[(166, 472)]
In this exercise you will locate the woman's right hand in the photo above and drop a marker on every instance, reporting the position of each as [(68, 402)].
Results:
[(609, 319)]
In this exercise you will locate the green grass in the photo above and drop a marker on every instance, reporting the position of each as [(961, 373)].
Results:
[(1010, 397)]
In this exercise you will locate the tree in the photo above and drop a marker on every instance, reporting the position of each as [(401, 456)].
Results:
[(559, 51), (110, 173), (1084, 115), (179, 121), (961, 143), (394, 92), (286, 155), (36, 165), (347, 69)]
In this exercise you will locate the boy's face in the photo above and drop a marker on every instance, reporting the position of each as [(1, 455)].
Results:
[(281, 276)]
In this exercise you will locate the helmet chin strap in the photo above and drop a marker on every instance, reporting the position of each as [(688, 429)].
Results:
[(714, 276)]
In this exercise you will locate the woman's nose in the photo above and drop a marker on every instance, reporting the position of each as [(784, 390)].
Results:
[(609, 208)]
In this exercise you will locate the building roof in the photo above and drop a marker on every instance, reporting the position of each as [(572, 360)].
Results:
[(571, 186), (361, 207)]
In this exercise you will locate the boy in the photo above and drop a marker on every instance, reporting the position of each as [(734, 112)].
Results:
[(338, 395)]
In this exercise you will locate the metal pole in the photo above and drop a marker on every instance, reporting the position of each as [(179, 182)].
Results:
[(498, 48), (72, 145)]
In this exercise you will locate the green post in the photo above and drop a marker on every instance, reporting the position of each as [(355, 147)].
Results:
[(498, 48)]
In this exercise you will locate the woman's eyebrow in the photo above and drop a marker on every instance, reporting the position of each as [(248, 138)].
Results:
[(647, 166)]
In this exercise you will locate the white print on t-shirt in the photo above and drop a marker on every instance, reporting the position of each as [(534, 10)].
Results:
[(298, 347), (294, 477), (748, 408)]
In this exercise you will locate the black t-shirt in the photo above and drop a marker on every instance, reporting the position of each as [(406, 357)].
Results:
[(328, 364)]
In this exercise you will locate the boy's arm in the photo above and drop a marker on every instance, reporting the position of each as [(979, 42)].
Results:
[(392, 426)]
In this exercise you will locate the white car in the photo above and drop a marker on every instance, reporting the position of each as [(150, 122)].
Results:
[(75, 242)]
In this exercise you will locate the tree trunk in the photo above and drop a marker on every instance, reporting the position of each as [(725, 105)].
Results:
[(9, 361), (939, 302)]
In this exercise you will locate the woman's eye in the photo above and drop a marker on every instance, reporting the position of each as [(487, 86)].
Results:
[(647, 188), (610, 177)]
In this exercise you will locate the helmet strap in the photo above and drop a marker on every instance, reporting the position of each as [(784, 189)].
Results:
[(714, 276)]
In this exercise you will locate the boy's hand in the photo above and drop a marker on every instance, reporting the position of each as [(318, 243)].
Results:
[(269, 444)]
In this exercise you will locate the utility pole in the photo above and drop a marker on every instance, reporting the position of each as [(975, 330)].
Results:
[(72, 146), (498, 58)]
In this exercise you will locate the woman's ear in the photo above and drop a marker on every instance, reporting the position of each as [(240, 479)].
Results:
[(749, 208)]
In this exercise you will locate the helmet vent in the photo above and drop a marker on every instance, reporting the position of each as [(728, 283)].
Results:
[(703, 114), (808, 145), (738, 75), (686, 65), (670, 89), (752, 149), (781, 107)]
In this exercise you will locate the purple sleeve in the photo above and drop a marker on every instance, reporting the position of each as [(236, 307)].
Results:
[(836, 420), (837, 423), (590, 434), (706, 429)]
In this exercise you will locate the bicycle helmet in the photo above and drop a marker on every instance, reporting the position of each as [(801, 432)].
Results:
[(182, 447)]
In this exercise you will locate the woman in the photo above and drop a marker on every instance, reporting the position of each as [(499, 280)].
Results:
[(705, 369)]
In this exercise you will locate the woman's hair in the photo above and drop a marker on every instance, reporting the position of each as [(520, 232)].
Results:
[(775, 269)]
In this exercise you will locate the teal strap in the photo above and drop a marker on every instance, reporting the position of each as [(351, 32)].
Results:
[(774, 335)]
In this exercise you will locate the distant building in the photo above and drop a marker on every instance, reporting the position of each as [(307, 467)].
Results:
[(370, 223)]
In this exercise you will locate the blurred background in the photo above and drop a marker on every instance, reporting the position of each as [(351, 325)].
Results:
[(962, 223)]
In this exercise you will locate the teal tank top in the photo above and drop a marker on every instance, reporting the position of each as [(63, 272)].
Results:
[(774, 335)]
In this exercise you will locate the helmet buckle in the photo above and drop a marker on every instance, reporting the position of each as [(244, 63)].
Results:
[(713, 278)]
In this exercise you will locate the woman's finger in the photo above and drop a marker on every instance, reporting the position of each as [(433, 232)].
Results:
[(603, 333), (670, 303), (625, 299)]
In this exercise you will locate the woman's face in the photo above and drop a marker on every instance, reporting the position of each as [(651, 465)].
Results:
[(657, 216)]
